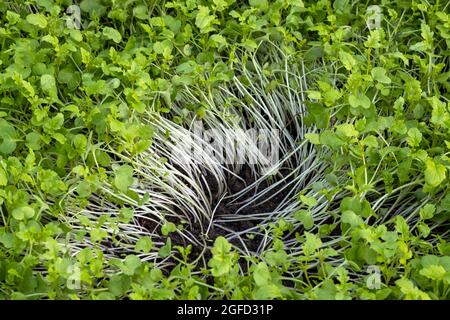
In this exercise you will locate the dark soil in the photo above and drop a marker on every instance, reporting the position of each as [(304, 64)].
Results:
[(226, 209)]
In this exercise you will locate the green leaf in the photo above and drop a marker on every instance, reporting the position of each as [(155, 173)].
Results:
[(217, 40), (434, 272), (130, 264), (76, 35), (414, 137), (410, 291), (418, 46), (123, 178), (398, 105), (7, 137), (261, 275), (359, 101), (379, 74), (314, 138), (186, 67), (125, 215), (427, 212), (309, 201), (351, 218), (97, 234), (330, 139), (439, 116), (167, 228), (105, 296), (401, 226), (163, 47), (329, 93), (374, 39), (311, 244), (12, 17), (435, 173), (276, 258), (59, 137), (221, 246), (112, 34), (51, 39), (69, 77), (427, 35), (3, 177), (305, 217), (347, 130), (51, 183), (48, 84), (54, 124), (222, 261), (33, 141), (144, 244), (84, 189), (23, 213), (204, 21), (321, 115), (140, 12), (92, 6), (261, 4), (347, 60), (314, 95), (80, 143), (327, 290), (370, 141), (354, 204), (267, 292), (119, 284), (413, 90), (37, 19), (165, 250)]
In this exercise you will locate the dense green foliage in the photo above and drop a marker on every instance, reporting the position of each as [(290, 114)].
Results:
[(71, 108)]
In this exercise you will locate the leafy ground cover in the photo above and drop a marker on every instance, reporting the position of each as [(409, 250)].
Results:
[(94, 207)]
